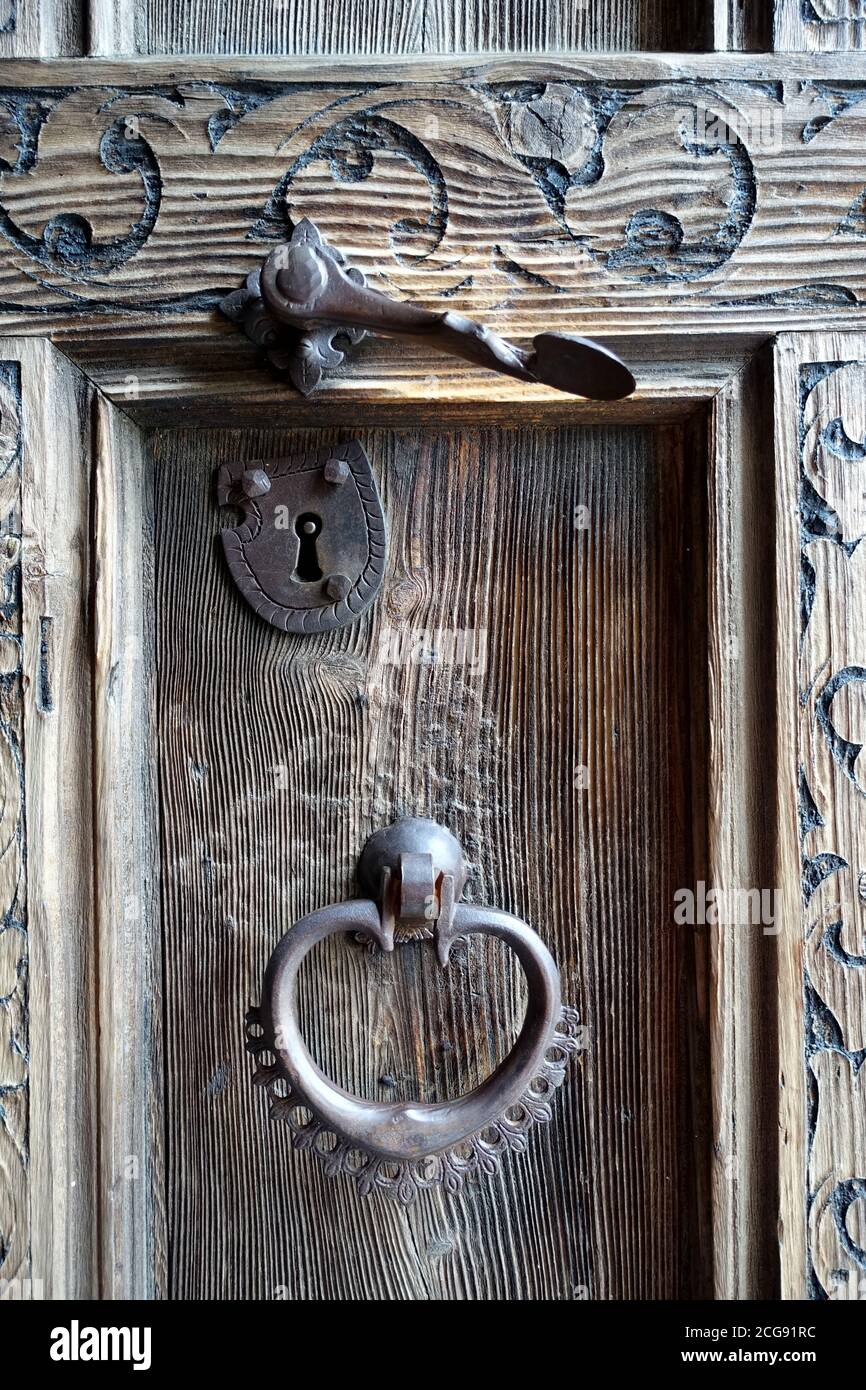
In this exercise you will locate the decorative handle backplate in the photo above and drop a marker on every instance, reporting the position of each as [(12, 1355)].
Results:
[(415, 872), (305, 299)]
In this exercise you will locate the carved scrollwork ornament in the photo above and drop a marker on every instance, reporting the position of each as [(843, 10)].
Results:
[(403, 1148), (832, 785)]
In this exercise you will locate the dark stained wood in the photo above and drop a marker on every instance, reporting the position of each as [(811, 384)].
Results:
[(278, 755)]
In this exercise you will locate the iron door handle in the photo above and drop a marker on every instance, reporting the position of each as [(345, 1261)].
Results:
[(306, 287), (415, 869)]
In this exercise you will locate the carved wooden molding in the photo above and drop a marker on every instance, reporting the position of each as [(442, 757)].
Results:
[(544, 196), (821, 653), (832, 431)]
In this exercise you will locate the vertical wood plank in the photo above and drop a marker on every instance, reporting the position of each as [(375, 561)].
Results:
[(80, 1151), (511, 26), (741, 786), (57, 788), (116, 27), (742, 26), (562, 763), (133, 1256), (345, 27)]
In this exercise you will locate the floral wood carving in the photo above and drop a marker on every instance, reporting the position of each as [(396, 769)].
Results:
[(833, 817), (833, 11), (157, 201), (819, 25), (14, 1046)]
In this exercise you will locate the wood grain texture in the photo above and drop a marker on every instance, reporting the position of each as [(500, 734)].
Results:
[(62, 1133), (132, 1219), (41, 28), (596, 195), (821, 446), (80, 1150), (392, 385), (355, 27), (562, 765), (115, 27), (509, 26), (742, 25), (740, 792), (819, 26)]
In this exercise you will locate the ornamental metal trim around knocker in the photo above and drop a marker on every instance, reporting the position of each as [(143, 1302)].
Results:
[(415, 873)]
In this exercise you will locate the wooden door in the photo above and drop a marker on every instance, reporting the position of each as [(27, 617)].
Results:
[(617, 648)]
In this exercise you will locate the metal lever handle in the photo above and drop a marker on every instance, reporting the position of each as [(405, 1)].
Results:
[(418, 871), (306, 286)]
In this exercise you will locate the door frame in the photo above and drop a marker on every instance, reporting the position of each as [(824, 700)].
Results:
[(115, 369)]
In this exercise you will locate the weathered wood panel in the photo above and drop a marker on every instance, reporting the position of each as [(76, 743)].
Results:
[(562, 763), (739, 795), (819, 26), (131, 1212), (358, 27), (41, 28), (55, 771), (821, 434), (80, 1157)]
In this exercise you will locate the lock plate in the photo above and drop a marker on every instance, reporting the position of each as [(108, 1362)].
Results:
[(310, 552)]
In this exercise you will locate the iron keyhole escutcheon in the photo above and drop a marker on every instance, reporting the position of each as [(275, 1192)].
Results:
[(308, 528), (309, 552)]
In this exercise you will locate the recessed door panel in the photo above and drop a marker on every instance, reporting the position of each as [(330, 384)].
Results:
[(526, 678)]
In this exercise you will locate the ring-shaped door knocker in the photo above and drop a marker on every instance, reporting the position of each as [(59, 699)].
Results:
[(414, 871)]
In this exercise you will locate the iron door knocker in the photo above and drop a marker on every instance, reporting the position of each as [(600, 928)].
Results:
[(414, 872)]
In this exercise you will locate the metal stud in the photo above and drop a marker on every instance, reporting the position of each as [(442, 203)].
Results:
[(337, 585), (336, 472)]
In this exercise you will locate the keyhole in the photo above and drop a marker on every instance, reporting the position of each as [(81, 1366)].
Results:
[(308, 527)]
